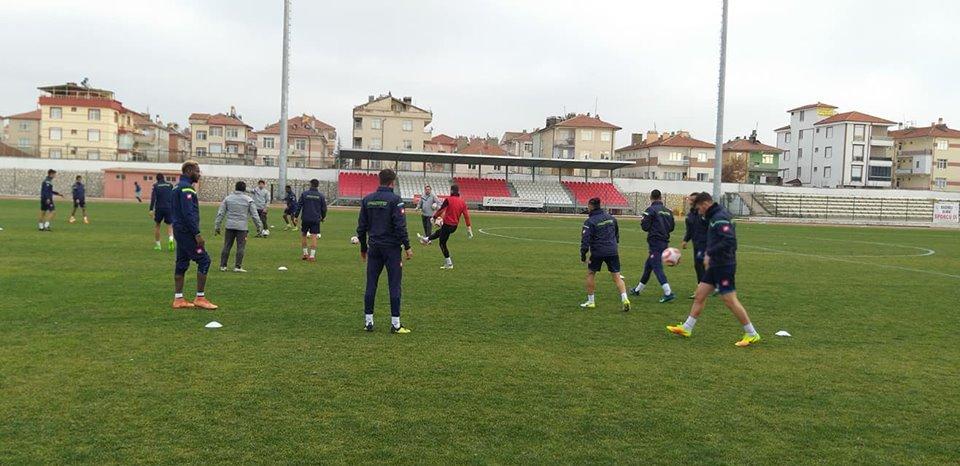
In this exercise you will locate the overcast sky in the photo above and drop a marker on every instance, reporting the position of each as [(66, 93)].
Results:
[(488, 66)]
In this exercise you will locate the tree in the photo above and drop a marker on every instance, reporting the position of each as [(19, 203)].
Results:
[(734, 168)]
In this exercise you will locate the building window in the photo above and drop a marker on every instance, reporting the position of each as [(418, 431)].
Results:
[(232, 149), (216, 131), (940, 183), (201, 135), (373, 164), (786, 155), (585, 155), (828, 152), (605, 155), (201, 152), (268, 143), (215, 148), (528, 147), (857, 153), (767, 159), (407, 125), (702, 157), (942, 164), (859, 132), (829, 130), (786, 137), (56, 113), (93, 114), (376, 143), (233, 133), (606, 136), (23, 142), (826, 172), (300, 144), (56, 134), (93, 155), (801, 118), (407, 144), (357, 123), (702, 177), (55, 153), (675, 157), (93, 135), (856, 173), (24, 125), (799, 172), (358, 143), (586, 135), (376, 123), (880, 173), (799, 153), (943, 144)]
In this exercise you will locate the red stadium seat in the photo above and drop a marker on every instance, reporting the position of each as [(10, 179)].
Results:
[(475, 189), (356, 185), (608, 193)]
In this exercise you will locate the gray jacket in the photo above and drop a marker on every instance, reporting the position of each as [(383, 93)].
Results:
[(261, 197), (426, 204), (239, 209)]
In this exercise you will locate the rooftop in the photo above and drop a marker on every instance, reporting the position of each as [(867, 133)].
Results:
[(31, 115), (680, 139), (939, 130), (856, 117), (809, 106)]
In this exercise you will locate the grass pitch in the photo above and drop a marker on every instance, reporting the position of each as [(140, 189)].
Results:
[(502, 366)]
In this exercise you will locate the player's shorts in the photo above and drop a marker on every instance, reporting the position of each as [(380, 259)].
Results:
[(722, 277), (312, 228), (289, 211), (47, 206), (162, 215), (81, 203), (613, 263), (187, 250)]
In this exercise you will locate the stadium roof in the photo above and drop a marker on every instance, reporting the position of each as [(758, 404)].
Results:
[(475, 159)]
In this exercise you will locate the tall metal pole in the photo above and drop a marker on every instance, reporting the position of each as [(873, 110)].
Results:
[(718, 157), (284, 97)]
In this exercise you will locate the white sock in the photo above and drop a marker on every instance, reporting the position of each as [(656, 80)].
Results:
[(46, 224), (666, 289), (178, 295), (169, 238), (368, 319), (305, 251), (590, 298), (395, 321), (623, 296), (199, 294), (158, 243), (639, 288), (691, 321), (40, 225), (449, 261), (313, 253), (749, 329)]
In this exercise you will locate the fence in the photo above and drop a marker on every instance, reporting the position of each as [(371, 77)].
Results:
[(831, 208), (161, 154)]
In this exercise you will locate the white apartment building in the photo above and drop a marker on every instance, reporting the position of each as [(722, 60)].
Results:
[(823, 148)]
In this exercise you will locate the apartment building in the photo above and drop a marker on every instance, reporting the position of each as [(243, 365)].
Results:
[(151, 139), (823, 148), (668, 156), (219, 138), (747, 160), (927, 158), (22, 132), (391, 124), (311, 143), (480, 146), (179, 144), (576, 137), (440, 143), (518, 144), (80, 122)]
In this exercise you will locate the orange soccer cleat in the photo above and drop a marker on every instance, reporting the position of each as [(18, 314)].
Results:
[(180, 303), (202, 303)]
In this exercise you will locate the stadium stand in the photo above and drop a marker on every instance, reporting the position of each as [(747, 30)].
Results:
[(840, 207), (608, 193), (551, 192), (411, 184), (475, 189), (355, 185)]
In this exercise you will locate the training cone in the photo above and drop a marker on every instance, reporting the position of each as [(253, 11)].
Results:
[(282, 268), (214, 324), (782, 333)]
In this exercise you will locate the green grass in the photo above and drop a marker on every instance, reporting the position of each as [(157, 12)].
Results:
[(501, 367)]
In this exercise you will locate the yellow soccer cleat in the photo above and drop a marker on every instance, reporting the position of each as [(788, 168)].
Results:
[(626, 305), (678, 329), (588, 305), (748, 340)]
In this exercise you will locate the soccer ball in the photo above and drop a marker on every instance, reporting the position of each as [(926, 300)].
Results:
[(438, 222), (435, 206), (266, 232), (354, 240), (671, 256)]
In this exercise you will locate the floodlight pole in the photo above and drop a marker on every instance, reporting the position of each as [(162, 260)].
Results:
[(284, 97), (718, 157)]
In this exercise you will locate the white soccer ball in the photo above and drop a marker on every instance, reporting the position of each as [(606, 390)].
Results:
[(435, 206), (354, 240), (671, 256), (438, 222), (266, 232)]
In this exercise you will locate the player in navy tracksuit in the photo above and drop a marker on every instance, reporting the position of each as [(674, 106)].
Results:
[(289, 214), (697, 233), (160, 210), (312, 210), (79, 200), (720, 260), (383, 220), (47, 209), (600, 237), (658, 222), (185, 208)]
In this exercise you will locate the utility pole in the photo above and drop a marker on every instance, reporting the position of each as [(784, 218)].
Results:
[(284, 97), (718, 158)]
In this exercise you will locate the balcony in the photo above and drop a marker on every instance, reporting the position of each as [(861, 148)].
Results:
[(566, 141), (675, 163), (881, 141)]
